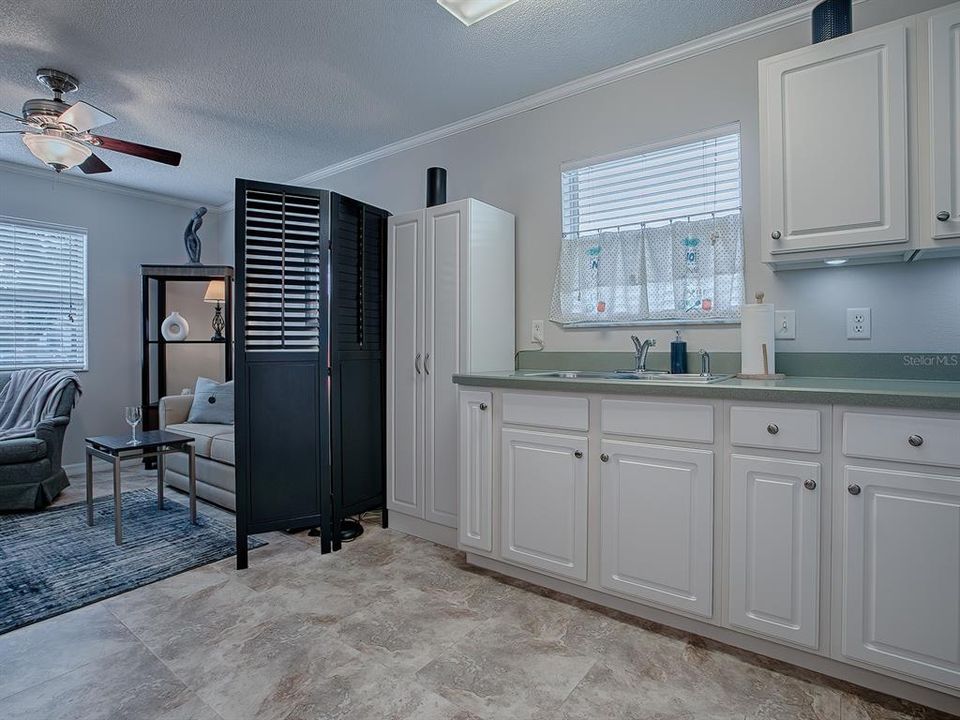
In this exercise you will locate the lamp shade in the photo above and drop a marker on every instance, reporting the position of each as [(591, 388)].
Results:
[(215, 292), (60, 153)]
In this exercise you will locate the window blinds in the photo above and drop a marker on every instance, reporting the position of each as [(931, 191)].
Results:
[(653, 236), (43, 313)]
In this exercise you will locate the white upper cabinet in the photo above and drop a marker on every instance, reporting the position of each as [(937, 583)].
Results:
[(939, 97), (901, 571), (656, 524), (834, 149)]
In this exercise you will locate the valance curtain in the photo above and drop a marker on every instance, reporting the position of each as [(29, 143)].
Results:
[(689, 271)]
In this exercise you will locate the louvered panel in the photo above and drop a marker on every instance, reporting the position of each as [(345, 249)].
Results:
[(282, 264)]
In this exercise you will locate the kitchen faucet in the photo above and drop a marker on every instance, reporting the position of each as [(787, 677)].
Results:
[(642, 348)]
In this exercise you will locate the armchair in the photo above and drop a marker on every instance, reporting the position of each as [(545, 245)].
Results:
[(31, 472)]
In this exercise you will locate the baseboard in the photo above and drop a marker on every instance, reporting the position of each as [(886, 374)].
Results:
[(440, 534), (793, 656)]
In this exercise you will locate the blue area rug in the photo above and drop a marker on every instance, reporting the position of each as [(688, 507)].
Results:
[(51, 561)]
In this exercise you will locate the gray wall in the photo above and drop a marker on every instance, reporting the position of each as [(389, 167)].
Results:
[(123, 231), (514, 164)]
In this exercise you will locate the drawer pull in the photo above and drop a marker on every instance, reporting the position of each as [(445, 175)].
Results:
[(853, 489), (772, 429), (810, 484), (483, 406), (915, 440), (578, 454), (604, 457)]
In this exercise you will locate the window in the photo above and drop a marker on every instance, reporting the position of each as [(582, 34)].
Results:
[(43, 295), (653, 236)]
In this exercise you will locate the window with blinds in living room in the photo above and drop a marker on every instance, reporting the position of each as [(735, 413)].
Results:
[(43, 295), (653, 235)]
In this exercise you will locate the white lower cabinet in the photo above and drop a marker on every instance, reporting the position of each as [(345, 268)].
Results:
[(775, 547), (656, 524), (544, 501), (901, 571), (475, 451)]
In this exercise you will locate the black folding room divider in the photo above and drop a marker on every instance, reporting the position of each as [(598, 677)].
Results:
[(310, 360)]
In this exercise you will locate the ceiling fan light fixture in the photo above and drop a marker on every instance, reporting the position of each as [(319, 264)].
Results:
[(470, 11), (60, 153)]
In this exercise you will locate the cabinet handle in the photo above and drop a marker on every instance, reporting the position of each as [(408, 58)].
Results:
[(772, 429), (416, 363), (578, 454), (426, 363), (604, 457), (810, 484), (483, 406), (915, 440), (853, 489), (943, 215), (775, 234)]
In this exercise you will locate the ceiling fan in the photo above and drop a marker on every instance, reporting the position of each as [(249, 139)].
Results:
[(58, 133)]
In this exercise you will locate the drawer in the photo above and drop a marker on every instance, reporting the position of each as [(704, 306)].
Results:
[(663, 420), (902, 438), (775, 428), (566, 412)]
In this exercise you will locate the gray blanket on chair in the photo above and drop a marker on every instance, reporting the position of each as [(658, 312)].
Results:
[(31, 396)]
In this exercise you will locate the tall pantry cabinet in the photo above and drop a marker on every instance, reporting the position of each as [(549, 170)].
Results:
[(450, 300)]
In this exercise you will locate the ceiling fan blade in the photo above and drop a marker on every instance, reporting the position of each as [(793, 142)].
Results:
[(11, 132), (11, 115), (84, 116), (93, 164), (168, 157)]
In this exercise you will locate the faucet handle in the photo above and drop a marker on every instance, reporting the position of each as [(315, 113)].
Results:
[(636, 342), (704, 363)]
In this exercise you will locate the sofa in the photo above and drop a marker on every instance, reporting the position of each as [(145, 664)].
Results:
[(31, 473), (216, 480)]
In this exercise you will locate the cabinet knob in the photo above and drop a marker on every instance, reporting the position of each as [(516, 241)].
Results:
[(915, 440), (772, 429), (853, 489), (578, 454), (604, 457), (775, 234), (943, 215), (483, 406), (810, 484)]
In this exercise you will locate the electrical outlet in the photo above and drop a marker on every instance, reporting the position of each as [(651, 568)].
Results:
[(536, 333), (858, 323), (785, 325)]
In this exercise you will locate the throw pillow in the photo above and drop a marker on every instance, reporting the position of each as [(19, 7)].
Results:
[(212, 402)]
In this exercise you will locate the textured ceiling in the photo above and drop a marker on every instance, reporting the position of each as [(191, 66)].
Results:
[(275, 89)]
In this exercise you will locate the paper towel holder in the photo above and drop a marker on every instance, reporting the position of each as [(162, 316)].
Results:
[(758, 296)]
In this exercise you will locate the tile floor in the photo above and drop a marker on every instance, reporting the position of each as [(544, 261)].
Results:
[(390, 628)]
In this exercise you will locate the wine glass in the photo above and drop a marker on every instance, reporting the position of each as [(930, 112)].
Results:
[(133, 415)]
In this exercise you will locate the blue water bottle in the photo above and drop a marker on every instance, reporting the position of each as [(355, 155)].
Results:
[(678, 356)]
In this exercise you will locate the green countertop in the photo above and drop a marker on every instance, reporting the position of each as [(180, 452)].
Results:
[(917, 394)]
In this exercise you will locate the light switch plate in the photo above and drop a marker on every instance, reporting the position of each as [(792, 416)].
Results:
[(785, 325)]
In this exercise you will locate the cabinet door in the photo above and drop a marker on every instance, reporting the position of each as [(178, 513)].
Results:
[(656, 524), (834, 144), (404, 378), (775, 547), (544, 501), (943, 106), (901, 572), (446, 229), (476, 469)]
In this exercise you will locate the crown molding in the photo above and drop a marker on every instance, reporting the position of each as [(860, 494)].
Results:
[(694, 48), (99, 185)]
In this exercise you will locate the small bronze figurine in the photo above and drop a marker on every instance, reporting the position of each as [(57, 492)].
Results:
[(190, 239)]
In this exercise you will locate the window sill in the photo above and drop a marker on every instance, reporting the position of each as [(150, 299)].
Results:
[(586, 325)]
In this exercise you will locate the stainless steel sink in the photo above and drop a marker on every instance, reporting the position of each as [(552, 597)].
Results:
[(654, 375)]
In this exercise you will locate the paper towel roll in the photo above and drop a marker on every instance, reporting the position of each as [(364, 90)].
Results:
[(756, 329)]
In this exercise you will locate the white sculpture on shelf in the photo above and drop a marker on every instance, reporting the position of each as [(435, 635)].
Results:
[(175, 328)]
